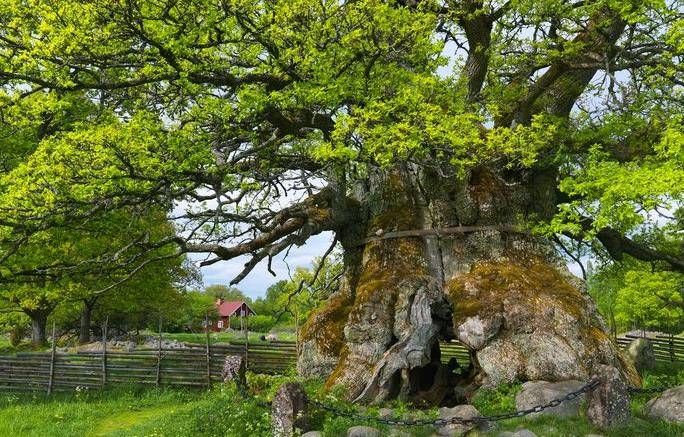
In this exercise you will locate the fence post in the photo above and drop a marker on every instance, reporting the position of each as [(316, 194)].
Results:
[(104, 352), (246, 345), (159, 353), (52, 360), (672, 352), (297, 332), (206, 329)]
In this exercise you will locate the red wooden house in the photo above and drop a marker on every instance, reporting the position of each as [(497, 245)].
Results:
[(227, 309)]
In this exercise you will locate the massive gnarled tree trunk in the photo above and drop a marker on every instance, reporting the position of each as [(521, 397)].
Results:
[(443, 258)]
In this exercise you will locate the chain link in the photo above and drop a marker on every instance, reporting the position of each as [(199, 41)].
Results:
[(477, 420), (647, 390), (460, 420)]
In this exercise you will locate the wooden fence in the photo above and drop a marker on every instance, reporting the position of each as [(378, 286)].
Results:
[(454, 349), (666, 347), (192, 366)]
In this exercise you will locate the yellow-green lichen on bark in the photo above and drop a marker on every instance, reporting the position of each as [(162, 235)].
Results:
[(537, 305), (326, 325), (483, 290)]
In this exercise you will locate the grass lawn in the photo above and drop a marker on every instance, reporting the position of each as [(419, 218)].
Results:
[(222, 337), (129, 411), (139, 411)]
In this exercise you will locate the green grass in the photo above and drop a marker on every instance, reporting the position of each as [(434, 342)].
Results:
[(502, 400), (132, 412), (136, 411), (7, 349), (223, 337)]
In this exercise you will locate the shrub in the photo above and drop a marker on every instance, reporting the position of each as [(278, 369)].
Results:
[(261, 323)]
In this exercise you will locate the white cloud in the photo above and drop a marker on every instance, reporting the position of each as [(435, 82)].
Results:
[(259, 279)]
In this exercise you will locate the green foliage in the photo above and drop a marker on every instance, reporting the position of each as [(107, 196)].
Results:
[(114, 114), (630, 295), (261, 323), (222, 411), (218, 291), (664, 375), (298, 296)]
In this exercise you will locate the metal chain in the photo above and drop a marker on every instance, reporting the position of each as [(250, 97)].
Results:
[(647, 390), (460, 420), (590, 386)]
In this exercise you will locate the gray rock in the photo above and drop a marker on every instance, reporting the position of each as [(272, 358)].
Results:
[(312, 434), (524, 433), (457, 429), (641, 354), (608, 404), (397, 432), (594, 435), (385, 413), (475, 331), (288, 410), (362, 431), (535, 393), (518, 433), (234, 370), (668, 406)]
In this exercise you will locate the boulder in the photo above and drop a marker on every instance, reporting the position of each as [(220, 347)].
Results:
[(535, 393), (312, 434), (641, 353), (668, 406), (456, 428), (288, 410), (363, 431), (608, 404)]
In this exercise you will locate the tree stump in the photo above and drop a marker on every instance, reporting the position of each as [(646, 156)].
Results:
[(288, 410)]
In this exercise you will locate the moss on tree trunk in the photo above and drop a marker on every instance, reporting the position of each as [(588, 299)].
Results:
[(504, 293)]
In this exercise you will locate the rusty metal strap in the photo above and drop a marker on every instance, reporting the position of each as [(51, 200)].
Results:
[(442, 232)]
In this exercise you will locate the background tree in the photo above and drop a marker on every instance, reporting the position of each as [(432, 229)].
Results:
[(220, 291), (436, 139), (632, 296)]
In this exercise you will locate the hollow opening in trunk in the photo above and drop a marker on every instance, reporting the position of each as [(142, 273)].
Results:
[(449, 378)]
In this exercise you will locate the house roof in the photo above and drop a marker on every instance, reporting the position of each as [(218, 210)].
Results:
[(229, 308)]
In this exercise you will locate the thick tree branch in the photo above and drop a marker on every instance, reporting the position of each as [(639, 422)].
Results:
[(558, 88), (617, 245)]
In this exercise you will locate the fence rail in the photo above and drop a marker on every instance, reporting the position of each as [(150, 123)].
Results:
[(666, 348), (190, 366), (195, 365)]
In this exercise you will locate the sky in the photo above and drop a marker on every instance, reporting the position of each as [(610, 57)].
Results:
[(256, 283), (259, 279)]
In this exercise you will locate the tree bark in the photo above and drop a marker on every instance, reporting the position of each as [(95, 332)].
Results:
[(85, 322), (498, 289), (38, 327)]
